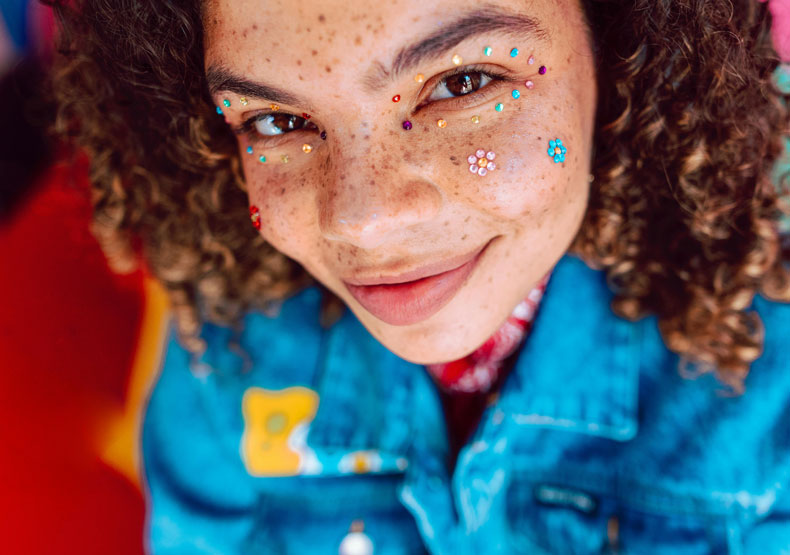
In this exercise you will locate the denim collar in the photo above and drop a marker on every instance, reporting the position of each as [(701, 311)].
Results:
[(579, 367), (578, 370)]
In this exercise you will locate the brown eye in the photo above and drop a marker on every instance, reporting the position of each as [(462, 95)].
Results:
[(460, 84), (269, 125)]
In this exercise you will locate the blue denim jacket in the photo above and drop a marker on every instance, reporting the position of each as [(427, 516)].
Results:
[(594, 444)]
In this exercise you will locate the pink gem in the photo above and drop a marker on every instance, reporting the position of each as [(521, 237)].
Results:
[(490, 155), (491, 167), (480, 153), (542, 70), (473, 168), (529, 84), (531, 60), (482, 171), (472, 159)]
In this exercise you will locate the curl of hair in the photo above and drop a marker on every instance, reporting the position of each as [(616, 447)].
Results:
[(683, 216)]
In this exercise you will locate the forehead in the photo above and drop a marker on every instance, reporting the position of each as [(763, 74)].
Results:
[(333, 36)]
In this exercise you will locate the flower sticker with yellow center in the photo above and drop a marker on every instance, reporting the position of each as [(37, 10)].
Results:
[(481, 162)]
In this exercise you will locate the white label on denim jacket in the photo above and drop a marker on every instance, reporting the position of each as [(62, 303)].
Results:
[(553, 495)]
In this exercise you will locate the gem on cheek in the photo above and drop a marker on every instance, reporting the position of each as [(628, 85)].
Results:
[(307, 149), (515, 93), (529, 84), (514, 53), (441, 123), (487, 51), (262, 159), (499, 107), (557, 151), (396, 98), (481, 162), (542, 70), (255, 217), (407, 125), (531, 60), (475, 119), (323, 135), (457, 60), (284, 159)]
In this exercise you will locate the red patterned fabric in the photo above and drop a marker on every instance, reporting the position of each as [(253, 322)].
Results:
[(478, 372)]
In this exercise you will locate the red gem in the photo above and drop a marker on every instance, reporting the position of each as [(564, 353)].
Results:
[(396, 98), (306, 116), (255, 216)]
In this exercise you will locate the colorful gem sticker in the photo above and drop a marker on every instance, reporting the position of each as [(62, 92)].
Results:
[(487, 51), (481, 162), (557, 151), (514, 53), (255, 217), (407, 125)]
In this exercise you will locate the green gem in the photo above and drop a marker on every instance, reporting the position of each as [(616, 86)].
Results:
[(499, 107), (262, 159), (487, 50), (226, 102)]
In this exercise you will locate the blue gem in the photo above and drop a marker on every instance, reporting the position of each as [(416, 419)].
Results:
[(249, 150), (514, 53), (515, 93), (219, 110), (557, 151), (226, 102)]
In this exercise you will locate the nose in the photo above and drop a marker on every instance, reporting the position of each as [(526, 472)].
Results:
[(368, 202)]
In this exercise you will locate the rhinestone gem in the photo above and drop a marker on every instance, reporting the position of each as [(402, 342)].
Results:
[(472, 159), (441, 123), (514, 53), (396, 98), (274, 107), (475, 119), (542, 70), (249, 150), (226, 102), (491, 166), (480, 153), (323, 135), (490, 155), (219, 110), (307, 149), (482, 162), (515, 93), (457, 60), (407, 125), (285, 159), (499, 107), (482, 171), (419, 77), (244, 101), (262, 159), (529, 84), (487, 51), (473, 168), (531, 60)]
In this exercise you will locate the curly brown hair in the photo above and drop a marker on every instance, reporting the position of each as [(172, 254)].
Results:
[(683, 215)]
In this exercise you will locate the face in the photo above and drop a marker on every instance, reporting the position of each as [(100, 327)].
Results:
[(431, 253)]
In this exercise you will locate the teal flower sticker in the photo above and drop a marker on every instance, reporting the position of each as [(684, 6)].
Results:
[(557, 151)]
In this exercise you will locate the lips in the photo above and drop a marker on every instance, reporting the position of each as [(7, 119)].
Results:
[(409, 302)]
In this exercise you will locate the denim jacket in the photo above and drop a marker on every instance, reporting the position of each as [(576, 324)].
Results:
[(311, 440)]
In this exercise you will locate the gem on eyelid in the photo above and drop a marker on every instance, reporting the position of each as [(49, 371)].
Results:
[(396, 98), (407, 125), (542, 70), (226, 102), (480, 153), (529, 84), (274, 107), (249, 150), (487, 51), (285, 159), (307, 149), (305, 115), (475, 119), (515, 93), (419, 77), (441, 123), (219, 110), (323, 135), (472, 159), (514, 53), (499, 107), (457, 60), (244, 101), (531, 60), (262, 159)]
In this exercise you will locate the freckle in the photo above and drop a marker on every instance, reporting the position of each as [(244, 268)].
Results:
[(321, 18), (301, 78), (268, 59), (328, 69), (540, 138), (308, 29), (467, 219), (282, 191), (452, 158), (313, 52), (464, 238), (255, 26), (353, 136), (298, 62), (366, 137), (357, 40)]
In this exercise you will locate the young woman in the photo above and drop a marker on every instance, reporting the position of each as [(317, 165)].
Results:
[(450, 276)]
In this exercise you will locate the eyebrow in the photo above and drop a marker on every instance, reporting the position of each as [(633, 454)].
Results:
[(483, 20)]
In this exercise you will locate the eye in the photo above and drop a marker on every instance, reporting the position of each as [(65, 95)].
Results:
[(460, 84), (269, 125)]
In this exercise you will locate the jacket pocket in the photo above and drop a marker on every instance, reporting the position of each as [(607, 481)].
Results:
[(315, 514), (549, 516)]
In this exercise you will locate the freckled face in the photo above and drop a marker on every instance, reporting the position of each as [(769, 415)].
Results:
[(373, 199)]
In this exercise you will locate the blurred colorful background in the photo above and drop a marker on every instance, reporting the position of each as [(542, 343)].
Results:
[(79, 345)]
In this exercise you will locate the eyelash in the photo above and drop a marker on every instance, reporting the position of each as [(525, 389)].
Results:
[(248, 126)]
